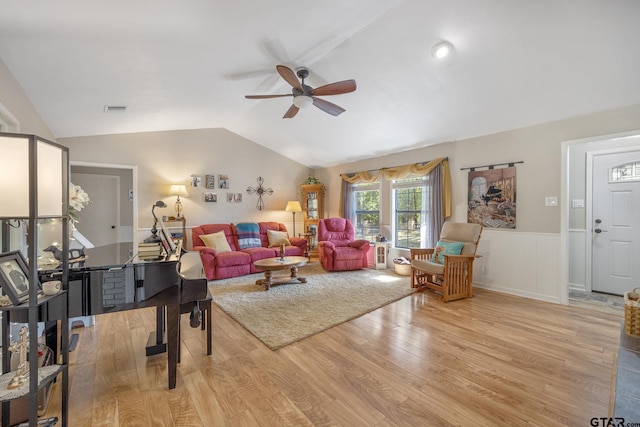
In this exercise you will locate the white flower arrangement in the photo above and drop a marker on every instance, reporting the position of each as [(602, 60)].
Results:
[(78, 199)]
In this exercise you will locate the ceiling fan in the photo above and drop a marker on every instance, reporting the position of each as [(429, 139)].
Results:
[(304, 95)]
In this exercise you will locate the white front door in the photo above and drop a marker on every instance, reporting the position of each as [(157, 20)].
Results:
[(616, 223), (99, 221)]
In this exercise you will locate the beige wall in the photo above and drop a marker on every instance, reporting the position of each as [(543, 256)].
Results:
[(165, 158), (539, 147), (16, 101)]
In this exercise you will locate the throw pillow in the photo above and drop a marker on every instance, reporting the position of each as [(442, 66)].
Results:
[(248, 235), (217, 241), (276, 238), (446, 248)]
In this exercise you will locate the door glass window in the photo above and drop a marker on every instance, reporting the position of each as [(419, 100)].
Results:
[(625, 173)]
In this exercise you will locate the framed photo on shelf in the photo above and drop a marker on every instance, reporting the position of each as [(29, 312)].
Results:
[(14, 278)]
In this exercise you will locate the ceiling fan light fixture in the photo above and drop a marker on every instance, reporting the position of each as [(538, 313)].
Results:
[(302, 101), (441, 49)]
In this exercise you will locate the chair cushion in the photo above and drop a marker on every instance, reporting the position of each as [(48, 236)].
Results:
[(468, 233), (446, 248), (217, 241), (276, 238), (428, 266), (248, 235), (347, 252)]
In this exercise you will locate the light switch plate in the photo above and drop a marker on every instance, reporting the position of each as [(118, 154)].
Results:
[(577, 203), (551, 201)]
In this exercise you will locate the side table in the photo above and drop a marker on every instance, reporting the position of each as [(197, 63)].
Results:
[(380, 255)]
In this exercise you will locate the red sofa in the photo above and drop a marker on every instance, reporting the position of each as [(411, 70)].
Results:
[(239, 262)]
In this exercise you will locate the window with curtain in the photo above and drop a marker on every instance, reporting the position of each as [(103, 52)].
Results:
[(367, 210), (411, 211), (419, 203)]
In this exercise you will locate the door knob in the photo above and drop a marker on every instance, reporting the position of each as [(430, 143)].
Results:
[(113, 226), (597, 230)]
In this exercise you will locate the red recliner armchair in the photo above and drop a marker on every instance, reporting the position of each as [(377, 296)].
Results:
[(337, 248)]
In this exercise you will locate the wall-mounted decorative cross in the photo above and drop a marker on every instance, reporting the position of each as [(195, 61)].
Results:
[(260, 191)]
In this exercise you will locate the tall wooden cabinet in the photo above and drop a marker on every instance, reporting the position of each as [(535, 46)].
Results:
[(312, 210)]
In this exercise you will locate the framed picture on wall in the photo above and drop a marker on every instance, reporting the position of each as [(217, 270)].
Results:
[(14, 278), (492, 197), (210, 181), (209, 197), (195, 181), (223, 181)]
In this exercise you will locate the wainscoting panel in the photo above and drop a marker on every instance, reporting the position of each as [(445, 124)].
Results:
[(524, 264), (577, 258)]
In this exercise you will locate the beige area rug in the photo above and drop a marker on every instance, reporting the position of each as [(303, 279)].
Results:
[(288, 313)]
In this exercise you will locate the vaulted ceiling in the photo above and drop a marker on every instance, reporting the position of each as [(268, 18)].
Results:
[(188, 64)]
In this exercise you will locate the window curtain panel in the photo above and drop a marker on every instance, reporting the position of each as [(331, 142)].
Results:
[(401, 172), (436, 217), (347, 205)]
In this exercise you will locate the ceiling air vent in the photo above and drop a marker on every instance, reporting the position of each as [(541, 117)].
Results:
[(115, 108)]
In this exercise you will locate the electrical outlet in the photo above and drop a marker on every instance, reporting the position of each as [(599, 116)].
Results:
[(551, 201)]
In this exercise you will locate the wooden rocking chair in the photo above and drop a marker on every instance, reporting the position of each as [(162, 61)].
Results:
[(454, 278)]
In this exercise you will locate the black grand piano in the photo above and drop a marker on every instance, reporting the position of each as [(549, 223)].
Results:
[(113, 278)]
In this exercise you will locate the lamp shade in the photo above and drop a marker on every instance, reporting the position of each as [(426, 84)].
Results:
[(302, 101), (26, 158), (178, 190), (293, 206)]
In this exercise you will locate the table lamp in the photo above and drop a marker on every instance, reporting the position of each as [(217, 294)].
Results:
[(154, 237), (178, 190), (293, 206)]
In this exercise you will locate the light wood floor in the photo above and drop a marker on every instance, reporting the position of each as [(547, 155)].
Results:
[(493, 360)]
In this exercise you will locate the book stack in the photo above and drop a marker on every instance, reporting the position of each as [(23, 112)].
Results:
[(149, 250)]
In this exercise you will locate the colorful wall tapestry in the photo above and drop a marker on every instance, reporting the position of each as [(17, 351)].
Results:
[(492, 197)]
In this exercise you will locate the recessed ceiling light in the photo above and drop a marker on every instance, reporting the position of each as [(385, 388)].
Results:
[(441, 49)]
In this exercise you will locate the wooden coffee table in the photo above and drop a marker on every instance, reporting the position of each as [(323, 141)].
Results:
[(269, 265)]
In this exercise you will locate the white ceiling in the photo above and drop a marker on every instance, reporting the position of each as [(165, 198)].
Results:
[(188, 64)]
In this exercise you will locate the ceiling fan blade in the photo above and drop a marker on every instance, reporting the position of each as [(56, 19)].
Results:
[(266, 96), (337, 88), (289, 76), (328, 107), (291, 112)]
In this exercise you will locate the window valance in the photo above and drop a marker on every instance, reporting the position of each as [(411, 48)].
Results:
[(401, 172)]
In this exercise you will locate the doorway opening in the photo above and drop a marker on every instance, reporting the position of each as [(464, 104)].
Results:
[(577, 220), (112, 216)]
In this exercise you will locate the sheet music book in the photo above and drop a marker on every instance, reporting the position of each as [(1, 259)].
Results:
[(165, 235)]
